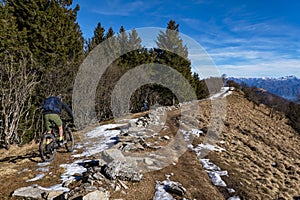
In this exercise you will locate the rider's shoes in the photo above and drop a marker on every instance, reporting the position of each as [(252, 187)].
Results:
[(48, 147), (61, 142)]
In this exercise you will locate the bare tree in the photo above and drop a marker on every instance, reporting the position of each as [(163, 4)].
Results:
[(18, 80)]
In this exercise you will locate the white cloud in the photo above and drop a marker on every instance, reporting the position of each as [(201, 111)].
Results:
[(240, 41), (275, 68), (121, 7)]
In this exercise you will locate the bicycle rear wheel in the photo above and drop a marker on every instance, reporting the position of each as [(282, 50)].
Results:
[(48, 147), (69, 139)]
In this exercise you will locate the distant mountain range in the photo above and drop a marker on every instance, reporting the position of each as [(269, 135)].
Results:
[(287, 87)]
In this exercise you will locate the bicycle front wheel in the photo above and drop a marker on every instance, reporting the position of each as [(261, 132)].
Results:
[(69, 139), (48, 147)]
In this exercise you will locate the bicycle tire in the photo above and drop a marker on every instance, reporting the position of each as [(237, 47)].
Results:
[(48, 151), (69, 139)]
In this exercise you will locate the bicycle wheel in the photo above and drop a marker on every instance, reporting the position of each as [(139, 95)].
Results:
[(48, 147), (69, 139)]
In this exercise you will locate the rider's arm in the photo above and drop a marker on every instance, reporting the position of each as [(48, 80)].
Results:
[(67, 108)]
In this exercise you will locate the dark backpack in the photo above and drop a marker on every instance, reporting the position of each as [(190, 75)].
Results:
[(52, 104)]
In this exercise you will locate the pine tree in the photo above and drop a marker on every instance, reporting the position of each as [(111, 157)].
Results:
[(109, 33), (111, 46), (18, 81), (54, 38), (123, 40), (97, 38), (140, 55), (171, 41), (10, 38), (199, 86), (135, 42), (131, 45), (171, 52)]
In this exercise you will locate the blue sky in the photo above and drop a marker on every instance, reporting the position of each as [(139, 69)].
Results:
[(257, 38)]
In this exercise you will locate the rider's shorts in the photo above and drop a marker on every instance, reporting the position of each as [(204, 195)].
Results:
[(50, 119)]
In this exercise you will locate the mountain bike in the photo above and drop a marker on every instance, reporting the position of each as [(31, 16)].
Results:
[(49, 143)]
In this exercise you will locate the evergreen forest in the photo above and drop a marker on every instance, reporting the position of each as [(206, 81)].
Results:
[(41, 49)]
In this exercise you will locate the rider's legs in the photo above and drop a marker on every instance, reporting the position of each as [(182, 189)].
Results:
[(54, 118), (60, 130)]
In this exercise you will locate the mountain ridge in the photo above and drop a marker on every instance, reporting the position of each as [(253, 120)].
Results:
[(287, 87), (260, 156)]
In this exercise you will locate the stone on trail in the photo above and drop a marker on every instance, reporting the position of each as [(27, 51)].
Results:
[(37, 192), (96, 195), (30, 192), (165, 188), (122, 171)]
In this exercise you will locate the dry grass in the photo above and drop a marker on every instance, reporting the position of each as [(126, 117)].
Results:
[(262, 158)]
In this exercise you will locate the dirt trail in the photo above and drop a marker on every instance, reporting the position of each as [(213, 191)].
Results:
[(20, 164), (262, 158)]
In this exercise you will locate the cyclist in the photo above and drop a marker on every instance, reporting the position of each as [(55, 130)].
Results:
[(52, 108)]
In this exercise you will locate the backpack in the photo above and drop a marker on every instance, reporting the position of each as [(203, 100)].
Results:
[(52, 104)]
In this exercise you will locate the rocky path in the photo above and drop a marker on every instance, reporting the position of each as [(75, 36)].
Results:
[(153, 157)]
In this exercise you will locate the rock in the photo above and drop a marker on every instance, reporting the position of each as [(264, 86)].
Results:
[(106, 157), (114, 154), (164, 188), (123, 184), (98, 176), (129, 146), (166, 137), (96, 195), (175, 188), (37, 192), (148, 161), (122, 171), (68, 182), (230, 190), (90, 188), (161, 193), (30, 192), (117, 188), (55, 194), (274, 164)]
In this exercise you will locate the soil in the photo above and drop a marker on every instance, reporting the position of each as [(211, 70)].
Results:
[(262, 158)]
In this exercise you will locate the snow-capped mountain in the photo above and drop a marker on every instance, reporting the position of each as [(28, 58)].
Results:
[(287, 87)]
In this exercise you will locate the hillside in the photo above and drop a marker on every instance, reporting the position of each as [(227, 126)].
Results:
[(256, 157), (286, 87)]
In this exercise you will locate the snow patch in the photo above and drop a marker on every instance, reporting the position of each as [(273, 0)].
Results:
[(99, 139), (216, 179), (42, 169), (103, 131), (234, 198), (222, 94), (214, 172), (161, 193), (37, 177), (194, 132), (201, 147), (24, 170), (230, 190), (209, 165), (162, 187), (71, 169), (43, 164)]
